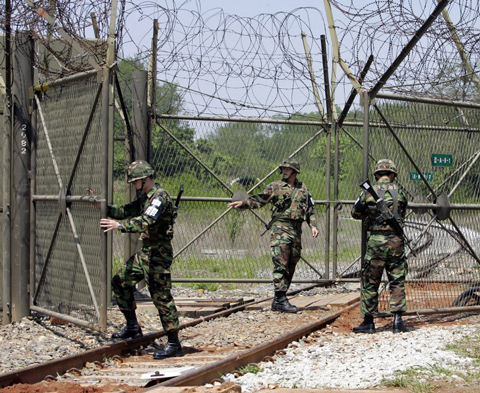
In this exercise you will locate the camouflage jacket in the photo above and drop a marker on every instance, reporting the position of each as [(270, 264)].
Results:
[(151, 214), (371, 213), (288, 203)]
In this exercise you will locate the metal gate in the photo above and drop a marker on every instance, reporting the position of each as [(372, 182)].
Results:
[(435, 145), (70, 255)]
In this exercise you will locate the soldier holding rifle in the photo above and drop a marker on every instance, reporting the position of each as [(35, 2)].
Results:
[(292, 204), (151, 214), (383, 207)]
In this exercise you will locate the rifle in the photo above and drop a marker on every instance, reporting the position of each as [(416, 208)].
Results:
[(385, 212), (268, 226), (177, 201)]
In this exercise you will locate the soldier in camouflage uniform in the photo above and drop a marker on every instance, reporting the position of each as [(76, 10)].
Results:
[(151, 215), (292, 204), (385, 248)]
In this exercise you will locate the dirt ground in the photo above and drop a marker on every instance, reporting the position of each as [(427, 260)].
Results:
[(343, 324), (65, 387)]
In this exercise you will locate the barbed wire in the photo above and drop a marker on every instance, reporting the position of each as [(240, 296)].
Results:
[(225, 64), (230, 64), (434, 67)]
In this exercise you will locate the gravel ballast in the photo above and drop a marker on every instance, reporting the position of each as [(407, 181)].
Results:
[(331, 358)]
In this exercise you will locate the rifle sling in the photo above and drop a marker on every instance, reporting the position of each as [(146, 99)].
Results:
[(394, 193)]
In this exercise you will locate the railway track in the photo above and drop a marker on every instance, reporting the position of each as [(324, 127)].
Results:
[(129, 363)]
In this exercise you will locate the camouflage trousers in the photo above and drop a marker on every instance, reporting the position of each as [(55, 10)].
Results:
[(286, 247), (384, 252), (153, 265)]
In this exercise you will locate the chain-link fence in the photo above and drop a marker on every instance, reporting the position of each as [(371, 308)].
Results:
[(69, 265), (215, 157), (436, 150)]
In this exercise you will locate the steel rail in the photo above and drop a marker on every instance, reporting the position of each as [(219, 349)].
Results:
[(37, 373), (210, 372)]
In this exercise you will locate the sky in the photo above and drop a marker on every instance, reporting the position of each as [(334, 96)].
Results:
[(240, 89), (211, 50)]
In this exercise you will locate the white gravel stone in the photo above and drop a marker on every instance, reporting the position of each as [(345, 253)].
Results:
[(352, 361)]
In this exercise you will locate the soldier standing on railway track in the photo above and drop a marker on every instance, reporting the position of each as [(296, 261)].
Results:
[(385, 248), (292, 204), (151, 215)]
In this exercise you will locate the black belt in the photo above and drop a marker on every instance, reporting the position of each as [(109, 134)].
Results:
[(295, 224), (383, 232)]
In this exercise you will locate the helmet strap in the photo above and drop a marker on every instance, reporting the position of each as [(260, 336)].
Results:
[(139, 192)]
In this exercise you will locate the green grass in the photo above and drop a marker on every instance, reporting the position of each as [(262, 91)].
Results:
[(249, 368), (208, 286), (413, 379), (400, 381), (467, 347), (424, 379), (245, 268), (116, 264)]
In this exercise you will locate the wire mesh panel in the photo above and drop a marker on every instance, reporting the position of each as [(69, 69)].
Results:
[(442, 143), (69, 160), (213, 160), (347, 231)]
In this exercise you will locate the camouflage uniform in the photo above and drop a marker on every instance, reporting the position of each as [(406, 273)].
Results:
[(385, 249), (151, 216), (291, 207)]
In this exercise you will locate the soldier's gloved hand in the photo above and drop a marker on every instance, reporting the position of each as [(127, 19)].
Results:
[(359, 206)]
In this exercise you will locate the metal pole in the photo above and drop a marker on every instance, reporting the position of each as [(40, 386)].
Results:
[(366, 119), (33, 215), (105, 239), (7, 152), (433, 101), (328, 158), (318, 103), (336, 131), (153, 72), (353, 93), (141, 142), (22, 137), (130, 149), (107, 133), (141, 123)]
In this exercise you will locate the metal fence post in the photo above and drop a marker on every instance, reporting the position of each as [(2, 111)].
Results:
[(141, 118), (22, 136), (6, 197), (365, 97), (141, 141)]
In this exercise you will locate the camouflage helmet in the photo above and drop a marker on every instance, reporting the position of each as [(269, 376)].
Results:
[(292, 163), (385, 165), (139, 170)]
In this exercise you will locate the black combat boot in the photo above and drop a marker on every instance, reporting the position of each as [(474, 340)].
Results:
[(398, 326), (171, 349), (132, 329), (281, 303), (367, 326)]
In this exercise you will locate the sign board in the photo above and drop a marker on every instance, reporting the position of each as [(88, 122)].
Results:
[(415, 176), (442, 159)]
